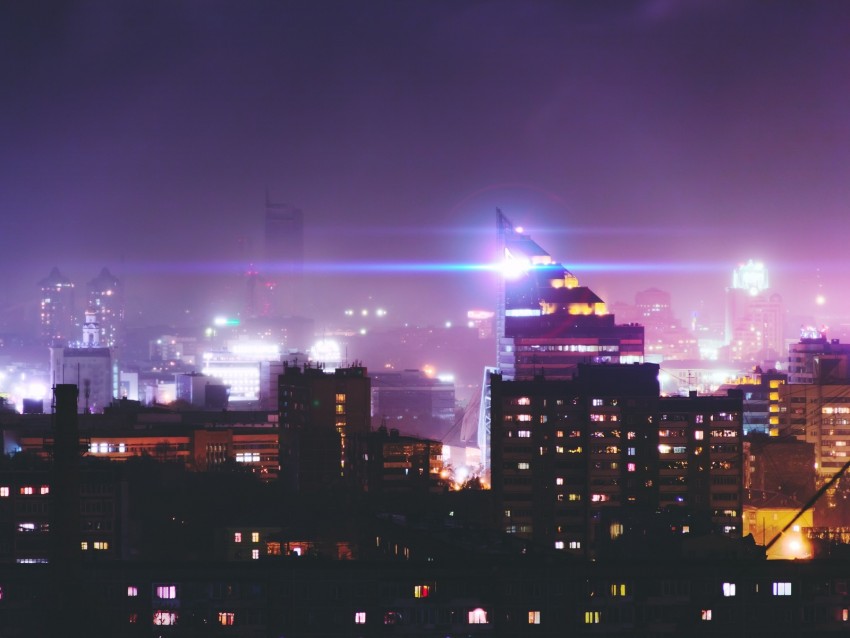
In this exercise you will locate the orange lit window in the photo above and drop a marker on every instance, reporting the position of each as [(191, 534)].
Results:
[(226, 618)]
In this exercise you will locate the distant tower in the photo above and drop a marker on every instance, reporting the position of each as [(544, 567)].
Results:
[(87, 364), (755, 316), (284, 256), (106, 299), (91, 331), (57, 308)]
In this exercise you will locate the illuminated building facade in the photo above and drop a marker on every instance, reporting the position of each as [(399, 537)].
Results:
[(818, 413), (546, 323), (318, 412), (105, 296), (576, 464), (388, 462), (244, 367), (56, 309), (755, 317), (284, 258), (88, 366)]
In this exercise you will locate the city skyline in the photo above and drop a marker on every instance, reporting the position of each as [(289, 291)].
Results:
[(657, 144)]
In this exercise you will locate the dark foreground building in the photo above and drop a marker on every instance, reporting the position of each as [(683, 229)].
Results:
[(485, 596)]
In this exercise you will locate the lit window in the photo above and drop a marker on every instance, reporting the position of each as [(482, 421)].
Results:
[(575, 545), (340, 409), (559, 481), (781, 589), (84, 545), (255, 554), (524, 434), (534, 618), (421, 591), (132, 591), (26, 490), (166, 592), (45, 489), (845, 615), (226, 618), (698, 435), (478, 617), (4, 492), (340, 398), (618, 589), (164, 618), (523, 465), (559, 544), (237, 537), (591, 617), (255, 537), (631, 467), (705, 614), (360, 617), (728, 589), (101, 545)]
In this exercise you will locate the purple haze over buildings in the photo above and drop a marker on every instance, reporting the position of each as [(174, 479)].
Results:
[(646, 143)]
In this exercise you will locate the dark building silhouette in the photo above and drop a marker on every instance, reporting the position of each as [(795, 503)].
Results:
[(578, 464), (284, 259), (319, 411)]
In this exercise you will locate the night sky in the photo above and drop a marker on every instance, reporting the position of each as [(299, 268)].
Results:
[(646, 143)]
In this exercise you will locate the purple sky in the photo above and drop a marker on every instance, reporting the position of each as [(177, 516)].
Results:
[(679, 136)]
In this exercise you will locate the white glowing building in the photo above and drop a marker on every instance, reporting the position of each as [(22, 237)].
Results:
[(245, 366), (88, 366), (755, 317)]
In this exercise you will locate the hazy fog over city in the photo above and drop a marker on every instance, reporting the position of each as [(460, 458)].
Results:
[(651, 143)]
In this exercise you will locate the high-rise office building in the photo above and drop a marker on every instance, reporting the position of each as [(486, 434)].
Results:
[(106, 297), (284, 258), (57, 309), (547, 324), (755, 317)]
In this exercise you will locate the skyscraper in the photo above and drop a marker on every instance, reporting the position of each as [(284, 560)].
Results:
[(284, 256), (105, 296), (755, 317), (547, 324), (57, 308)]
